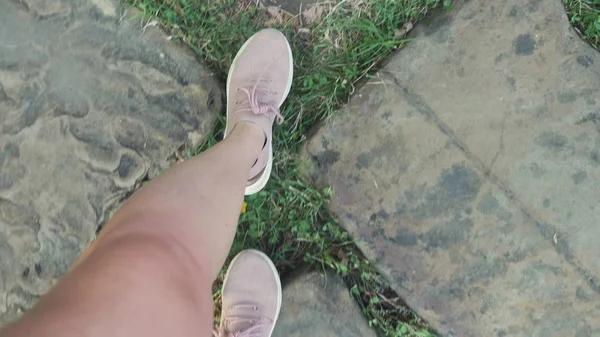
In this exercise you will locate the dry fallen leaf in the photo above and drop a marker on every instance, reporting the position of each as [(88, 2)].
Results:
[(179, 157), (400, 33), (278, 16), (149, 24), (313, 14), (303, 30)]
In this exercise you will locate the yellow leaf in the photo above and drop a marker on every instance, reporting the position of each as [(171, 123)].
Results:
[(244, 205)]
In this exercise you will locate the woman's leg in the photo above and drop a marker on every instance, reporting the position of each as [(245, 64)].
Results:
[(150, 271)]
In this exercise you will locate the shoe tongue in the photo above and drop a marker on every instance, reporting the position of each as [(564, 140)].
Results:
[(263, 93), (238, 324), (241, 318)]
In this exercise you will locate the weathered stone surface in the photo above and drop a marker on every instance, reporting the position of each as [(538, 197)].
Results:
[(89, 105), (469, 170), (320, 305)]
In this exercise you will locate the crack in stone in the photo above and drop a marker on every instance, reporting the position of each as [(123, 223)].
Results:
[(546, 229), (593, 117), (501, 146)]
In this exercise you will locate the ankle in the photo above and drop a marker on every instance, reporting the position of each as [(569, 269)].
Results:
[(250, 134)]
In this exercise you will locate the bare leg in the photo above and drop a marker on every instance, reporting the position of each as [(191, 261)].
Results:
[(151, 270)]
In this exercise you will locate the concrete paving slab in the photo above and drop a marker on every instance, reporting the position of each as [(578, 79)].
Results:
[(467, 170), (90, 104), (524, 104)]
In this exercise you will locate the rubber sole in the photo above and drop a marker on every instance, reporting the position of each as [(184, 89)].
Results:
[(261, 182), (275, 273)]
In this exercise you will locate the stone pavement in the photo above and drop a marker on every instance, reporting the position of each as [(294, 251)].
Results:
[(320, 305), (469, 167), (89, 105)]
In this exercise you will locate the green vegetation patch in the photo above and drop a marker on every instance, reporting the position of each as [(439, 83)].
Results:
[(585, 18)]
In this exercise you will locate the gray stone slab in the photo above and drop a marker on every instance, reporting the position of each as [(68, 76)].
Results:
[(468, 170), (89, 106), (315, 304)]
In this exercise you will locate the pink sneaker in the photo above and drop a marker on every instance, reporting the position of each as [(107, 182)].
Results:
[(251, 296), (259, 81)]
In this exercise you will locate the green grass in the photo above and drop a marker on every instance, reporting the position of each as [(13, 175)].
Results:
[(288, 220), (585, 18)]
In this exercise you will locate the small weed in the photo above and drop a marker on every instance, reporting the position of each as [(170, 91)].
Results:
[(585, 18), (288, 220)]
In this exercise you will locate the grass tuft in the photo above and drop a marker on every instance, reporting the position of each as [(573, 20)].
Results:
[(585, 18), (288, 220)]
